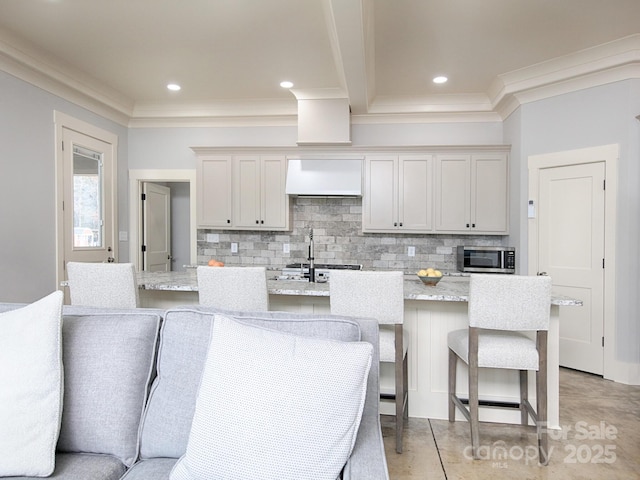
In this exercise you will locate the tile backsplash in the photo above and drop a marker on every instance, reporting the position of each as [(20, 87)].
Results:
[(338, 238)]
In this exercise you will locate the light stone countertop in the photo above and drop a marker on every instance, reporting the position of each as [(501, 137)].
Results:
[(454, 288)]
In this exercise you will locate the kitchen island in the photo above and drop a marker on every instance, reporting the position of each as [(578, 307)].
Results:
[(430, 313)]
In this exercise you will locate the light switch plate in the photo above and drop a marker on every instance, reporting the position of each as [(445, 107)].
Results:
[(286, 248), (123, 236), (411, 251), (234, 248), (213, 238)]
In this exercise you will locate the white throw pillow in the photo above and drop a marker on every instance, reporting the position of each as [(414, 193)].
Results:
[(275, 406), (30, 387)]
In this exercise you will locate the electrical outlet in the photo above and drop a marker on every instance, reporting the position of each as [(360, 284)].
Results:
[(234, 247), (411, 251), (286, 248)]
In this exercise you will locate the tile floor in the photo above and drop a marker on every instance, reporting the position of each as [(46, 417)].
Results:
[(600, 439)]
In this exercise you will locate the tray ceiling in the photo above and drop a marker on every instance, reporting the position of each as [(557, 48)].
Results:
[(230, 56)]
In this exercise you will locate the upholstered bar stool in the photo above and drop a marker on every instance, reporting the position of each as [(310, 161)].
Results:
[(233, 288), (110, 285), (500, 307), (378, 295)]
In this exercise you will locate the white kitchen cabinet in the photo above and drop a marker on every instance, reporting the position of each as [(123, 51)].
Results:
[(398, 194), (471, 193), (213, 183), (259, 198)]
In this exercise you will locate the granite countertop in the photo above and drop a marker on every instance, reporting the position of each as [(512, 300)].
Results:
[(452, 288)]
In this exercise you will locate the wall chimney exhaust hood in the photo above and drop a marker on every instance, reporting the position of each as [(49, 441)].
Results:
[(324, 177), (324, 117)]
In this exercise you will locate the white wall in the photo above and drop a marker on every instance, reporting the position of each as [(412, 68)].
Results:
[(27, 186)]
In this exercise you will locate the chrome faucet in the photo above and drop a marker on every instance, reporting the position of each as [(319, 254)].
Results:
[(312, 268)]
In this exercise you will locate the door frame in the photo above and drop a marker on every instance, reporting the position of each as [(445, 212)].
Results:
[(62, 121), (136, 179), (609, 154)]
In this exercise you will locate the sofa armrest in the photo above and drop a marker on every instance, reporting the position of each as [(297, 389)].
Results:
[(368, 460)]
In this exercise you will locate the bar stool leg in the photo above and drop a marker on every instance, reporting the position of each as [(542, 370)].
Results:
[(524, 397), (400, 386), (473, 391), (453, 363), (541, 398)]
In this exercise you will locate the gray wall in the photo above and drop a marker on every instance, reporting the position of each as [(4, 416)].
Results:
[(180, 248), (27, 186), (593, 117), (596, 116)]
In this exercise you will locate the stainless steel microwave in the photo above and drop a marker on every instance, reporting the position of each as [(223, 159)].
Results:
[(487, 259)]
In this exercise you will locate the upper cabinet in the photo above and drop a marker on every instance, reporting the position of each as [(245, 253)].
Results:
[(424, 190), (213, 183), (471, 193), (242, 192), (259, 198), (398, 193)]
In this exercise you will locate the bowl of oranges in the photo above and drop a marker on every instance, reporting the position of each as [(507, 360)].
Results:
[(430, 276)]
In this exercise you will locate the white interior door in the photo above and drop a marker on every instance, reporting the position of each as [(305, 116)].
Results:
[(156, 227), (571, 233), (88, 199)]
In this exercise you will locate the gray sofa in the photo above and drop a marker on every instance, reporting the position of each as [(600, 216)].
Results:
[(132, 378)]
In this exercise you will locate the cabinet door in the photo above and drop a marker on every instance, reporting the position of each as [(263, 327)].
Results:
[(214, 191), (274, 201), (453, 205), (489, 193), (415, 193), (380, 202), (246, 191)]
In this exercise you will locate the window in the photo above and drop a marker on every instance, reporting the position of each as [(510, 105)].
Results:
[(87, 198)]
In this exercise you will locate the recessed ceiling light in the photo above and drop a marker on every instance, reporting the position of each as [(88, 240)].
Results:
[(286, 84), (174, 87), (440, 79)]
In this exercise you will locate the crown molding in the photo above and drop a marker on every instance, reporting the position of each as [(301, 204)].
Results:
[(427, 117), (346, 151), (245, 113), (22, 61), (385, 104), (215, 121), (607, 63), (611, 62), (623, 72)]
